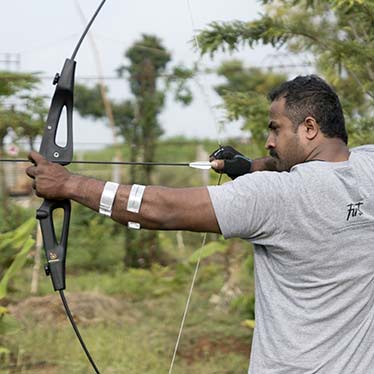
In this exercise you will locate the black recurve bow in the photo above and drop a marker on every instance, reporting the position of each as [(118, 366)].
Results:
[(55, 247)]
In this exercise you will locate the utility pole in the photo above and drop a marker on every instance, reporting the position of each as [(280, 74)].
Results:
[(9, 60)]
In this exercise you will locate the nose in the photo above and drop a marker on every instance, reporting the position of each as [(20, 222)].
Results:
[(270, 144)]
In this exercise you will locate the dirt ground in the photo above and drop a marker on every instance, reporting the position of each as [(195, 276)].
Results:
[(86, 307)]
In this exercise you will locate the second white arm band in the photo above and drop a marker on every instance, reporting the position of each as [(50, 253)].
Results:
[(135, 198)]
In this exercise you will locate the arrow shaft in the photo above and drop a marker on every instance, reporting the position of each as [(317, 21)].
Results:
[(195, 165)]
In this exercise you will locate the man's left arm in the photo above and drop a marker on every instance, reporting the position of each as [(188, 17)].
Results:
[(161, 208)]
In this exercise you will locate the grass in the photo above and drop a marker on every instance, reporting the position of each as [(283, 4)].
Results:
[(128, 319), (130, 324)]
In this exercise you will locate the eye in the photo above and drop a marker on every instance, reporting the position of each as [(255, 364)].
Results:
[(274, 129)]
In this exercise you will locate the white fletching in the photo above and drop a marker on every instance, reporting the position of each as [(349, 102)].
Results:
[(204, 165)]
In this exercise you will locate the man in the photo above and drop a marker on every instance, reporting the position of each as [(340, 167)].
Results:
[(312, 225)]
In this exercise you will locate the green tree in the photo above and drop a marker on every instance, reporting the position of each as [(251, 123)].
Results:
[(244, 94), (31, 120), (137, 120), (11, 85), (148, 60), (338, 34)]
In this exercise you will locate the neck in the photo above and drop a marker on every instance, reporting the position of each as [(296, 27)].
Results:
[(330, 150)]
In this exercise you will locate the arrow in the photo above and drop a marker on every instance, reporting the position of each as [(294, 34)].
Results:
[(202, 165)]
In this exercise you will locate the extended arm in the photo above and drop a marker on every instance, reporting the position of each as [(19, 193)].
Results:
[(162, 208)]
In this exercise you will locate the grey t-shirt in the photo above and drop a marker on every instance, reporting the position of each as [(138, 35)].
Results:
[(313, 232)]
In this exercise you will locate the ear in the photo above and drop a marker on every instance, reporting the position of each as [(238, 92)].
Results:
[(310, 128)]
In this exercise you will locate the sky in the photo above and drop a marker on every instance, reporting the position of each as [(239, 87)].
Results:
[(44, 33)]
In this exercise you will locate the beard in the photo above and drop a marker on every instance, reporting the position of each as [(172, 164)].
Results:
[(289, 158), (280, 164)]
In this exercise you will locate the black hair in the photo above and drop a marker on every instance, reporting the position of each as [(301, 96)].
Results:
[(311, 96)]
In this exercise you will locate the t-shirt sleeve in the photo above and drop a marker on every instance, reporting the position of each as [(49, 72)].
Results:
[(249, 206)]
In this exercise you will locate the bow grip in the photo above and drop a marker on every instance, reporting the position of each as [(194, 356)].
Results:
[(63, 97), (55, 250)]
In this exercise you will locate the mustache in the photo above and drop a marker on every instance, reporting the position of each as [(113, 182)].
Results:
[(273, 153)]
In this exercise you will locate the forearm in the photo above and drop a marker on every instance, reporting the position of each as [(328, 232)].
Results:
[(162, 208)]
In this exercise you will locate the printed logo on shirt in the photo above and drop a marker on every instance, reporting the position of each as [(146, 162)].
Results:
[(354, 210)]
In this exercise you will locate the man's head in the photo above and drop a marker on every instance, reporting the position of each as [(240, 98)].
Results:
[(304, 112)]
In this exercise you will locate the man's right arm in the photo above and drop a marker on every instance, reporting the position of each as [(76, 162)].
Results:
[(264, 164)]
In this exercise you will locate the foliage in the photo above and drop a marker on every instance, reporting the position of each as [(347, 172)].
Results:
[(11, 85), (15, 217), (17, 240), (148, 59), (7, 121), (208, 250), (88, 101), (178, 82), (337, 33), (136, 284), (95, 241), (245, 305), (31, 120), (244, 93)]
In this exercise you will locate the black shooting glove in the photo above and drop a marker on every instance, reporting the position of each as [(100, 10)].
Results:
[(235, 163)]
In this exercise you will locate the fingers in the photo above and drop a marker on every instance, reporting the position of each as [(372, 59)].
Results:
[(31, 171), (224, 153), (218, 165), (36, 158), (48, 178)]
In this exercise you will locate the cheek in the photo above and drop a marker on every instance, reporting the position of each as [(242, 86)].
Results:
[(289, 146), (295, 148)]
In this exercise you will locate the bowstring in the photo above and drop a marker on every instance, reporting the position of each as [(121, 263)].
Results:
[(206, 98)]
